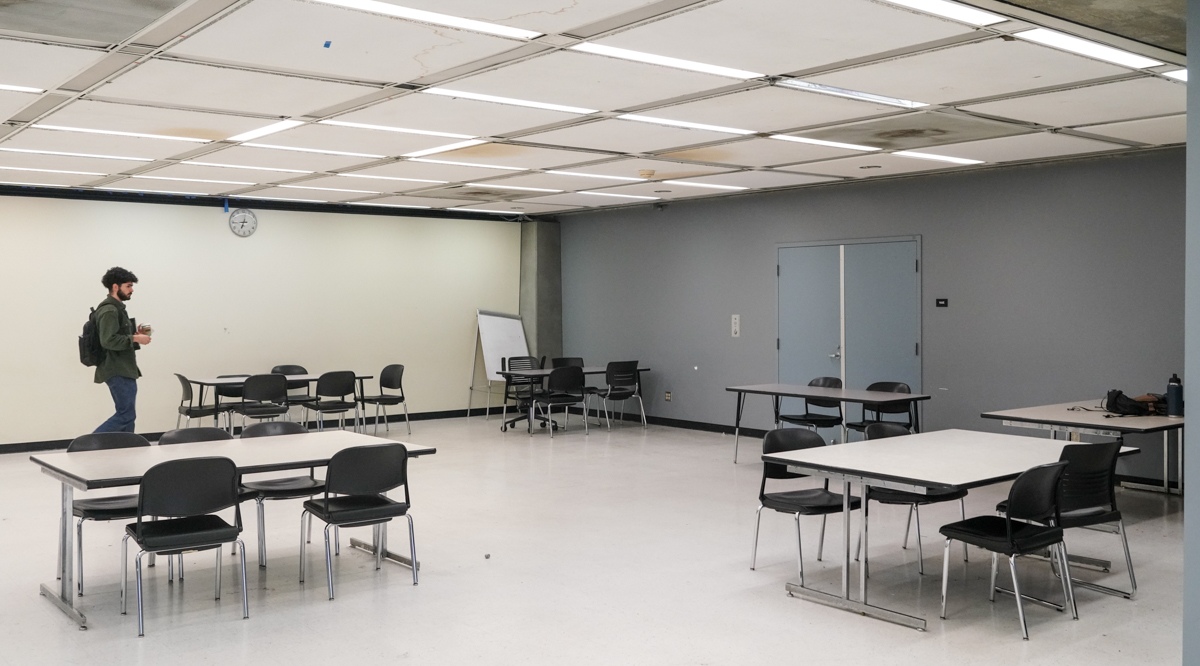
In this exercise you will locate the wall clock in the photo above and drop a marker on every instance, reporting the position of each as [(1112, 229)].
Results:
[(243, 222)]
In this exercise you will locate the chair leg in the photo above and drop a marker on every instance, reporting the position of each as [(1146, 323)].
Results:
[(245, 591), (1128, 559), (303, 515), (181, 567), (309, 528), (607, 420), (409, 423), (908, 526), (376, 430), (821, 539), (412, 546), (328, 561), (124, 570), (962, 506), (799, 551), (920, 551), (945, 575), (1012, 565), (217, 577), (59, 571), (137, 571), (642, 407), (177, 421), (754, 546), (585, 416), (79, 553), (1068, 589), (262, 534), (992, 584), (337, 540)]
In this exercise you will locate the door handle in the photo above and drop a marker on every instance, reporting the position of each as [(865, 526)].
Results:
[(837, 354)]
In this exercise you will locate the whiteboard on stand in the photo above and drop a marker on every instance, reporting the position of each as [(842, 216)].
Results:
[(501, 336)]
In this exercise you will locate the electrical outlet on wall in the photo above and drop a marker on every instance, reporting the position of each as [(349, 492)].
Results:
[(737, 326), (667, 396)]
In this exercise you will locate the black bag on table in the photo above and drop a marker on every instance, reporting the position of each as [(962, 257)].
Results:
[(1116, 402)]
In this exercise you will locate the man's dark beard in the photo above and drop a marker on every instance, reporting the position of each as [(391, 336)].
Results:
[(122, 296)]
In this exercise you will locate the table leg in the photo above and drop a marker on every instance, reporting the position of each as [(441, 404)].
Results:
[(1179, 460), (64, 596), (777, 400), (846, 540), (737, 424), (862, 535), (1167, 461), (374, 547)]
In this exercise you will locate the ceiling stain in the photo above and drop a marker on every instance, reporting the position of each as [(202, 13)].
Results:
[(1161, 23), (917, 130)]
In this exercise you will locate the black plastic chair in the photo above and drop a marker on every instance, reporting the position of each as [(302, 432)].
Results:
[(299, 399), (914, 501), (391, 378), (879, 409), (564, 389), (811, 419), (1089, 499), (807, 502), (292, 487), (520, 390), (187, 493), (263, 397), (100, 509), (361, 476), (1033, 498), (588, 391), (189, 435), (331, 392), (622, 379), (192, 410)]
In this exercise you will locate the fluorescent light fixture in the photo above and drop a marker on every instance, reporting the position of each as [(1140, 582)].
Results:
[(389, 9), (594, 175), (626, 54), (709, 185), (196, 180), (252, 196), (684, 123), (55, 152), (60, 128), (511, 187), (140, 190), (508, 100), (818, 142), (78, 173), (485, 210), (936, 158), (411, 180), (1178, 75), (951, 10), (1087, 48), (623, 196), (402, 130), (239, 166), (445, 148), (312, 150), (852, 94), (263, 131), (468, 164), (22, 89), (367, 203), (5, 182), (328, 189)]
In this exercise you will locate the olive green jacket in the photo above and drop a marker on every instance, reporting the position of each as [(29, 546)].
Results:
[(116, 336)]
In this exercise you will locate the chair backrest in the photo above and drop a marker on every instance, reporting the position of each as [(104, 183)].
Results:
[(273, 428), (292, 370), (825, 382), (787, 439), (1090, 476), (522, 363), (1034, 495), (883, 430), (621, 373), (566, 380), (99, 441), (367, 470), (392, 377), (229, 391), (336, 384), (265, 388), (188, 487), (187, 435), (893, 407), (567, 362), (187, 389)]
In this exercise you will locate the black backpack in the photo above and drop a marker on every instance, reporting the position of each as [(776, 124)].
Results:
[(90, 351), (1116, 402)]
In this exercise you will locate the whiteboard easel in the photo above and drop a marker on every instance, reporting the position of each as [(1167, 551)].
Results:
[(501, 336)]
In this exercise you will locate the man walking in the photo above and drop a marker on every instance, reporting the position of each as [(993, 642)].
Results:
[(119, 368)]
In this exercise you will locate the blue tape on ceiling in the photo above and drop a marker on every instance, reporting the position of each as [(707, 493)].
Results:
[(227, 205)]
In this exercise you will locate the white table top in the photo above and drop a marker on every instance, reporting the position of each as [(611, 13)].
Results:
[(238, 381), (821, 392), (1063, 415), (939, 459), (124, 467)]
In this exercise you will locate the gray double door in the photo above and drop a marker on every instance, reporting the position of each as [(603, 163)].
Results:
[(850, 310)]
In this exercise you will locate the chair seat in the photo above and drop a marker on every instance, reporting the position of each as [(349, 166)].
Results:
[(861, 426), (106, 508), (385, 400), (815, 420), (889, 496), (260, 409), (332, 406), (291, 487), (1095, 515), (559, 399), (181, 534), (616, 393), (301, 399), (200, 412), (813, 501), (990, 532), (353, 510)]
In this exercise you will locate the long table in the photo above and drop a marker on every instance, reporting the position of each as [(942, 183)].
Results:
[(543, 373), (90, 470), (917, 463), (225, 382), (1087, 417), (780, 391)]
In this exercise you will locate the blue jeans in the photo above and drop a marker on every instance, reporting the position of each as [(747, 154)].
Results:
[(124, 395)]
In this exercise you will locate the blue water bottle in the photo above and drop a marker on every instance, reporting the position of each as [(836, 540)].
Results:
[(1175, 396)]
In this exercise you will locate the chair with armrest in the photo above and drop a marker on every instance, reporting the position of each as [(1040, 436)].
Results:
[(520, 390)]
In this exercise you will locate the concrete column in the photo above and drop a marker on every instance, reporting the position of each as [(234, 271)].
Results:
[(541, 287), (1191, 359)]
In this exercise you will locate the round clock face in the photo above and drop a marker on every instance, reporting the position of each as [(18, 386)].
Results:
[(243, 222)]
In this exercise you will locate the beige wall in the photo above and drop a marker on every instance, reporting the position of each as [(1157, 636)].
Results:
[(326, 291)]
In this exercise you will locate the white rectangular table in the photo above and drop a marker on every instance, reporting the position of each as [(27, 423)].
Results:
[(89, 470), (915, 463), (1087, 417)]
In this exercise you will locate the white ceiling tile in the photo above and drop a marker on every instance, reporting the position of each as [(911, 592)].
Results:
[(11, 102), (300, 195), (634, 168), (771, 109), (526, 157), (226, 89), (1025, 147), (581, 200), (41, 65), (760, 152), (1155, 131), (353, 139), (362, 46), (287, 159), (867, 166), (202, 172), (548, 16), (589, 81), (916, 130), (152, 120), (759, 179), (625, 136), (437, 113), (165, 185), (62, 163), (11, 175), (447, 173), (428, 202), (518, 207), (1124, 100), (367, 184), (97, 144), (552, 181), (970, 71), (779, 36), (663, 191)]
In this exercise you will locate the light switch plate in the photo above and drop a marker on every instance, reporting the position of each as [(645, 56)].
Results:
[(737, 326)]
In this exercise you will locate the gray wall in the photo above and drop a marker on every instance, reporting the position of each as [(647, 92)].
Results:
[(1191, 526), (1064, 280)]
